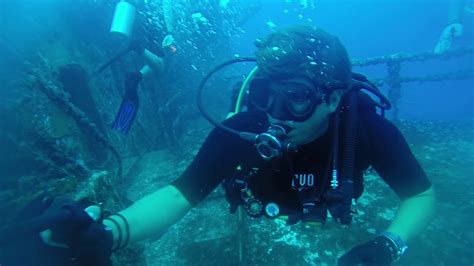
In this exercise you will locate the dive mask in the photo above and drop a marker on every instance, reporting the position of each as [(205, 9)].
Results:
[(290, 99)]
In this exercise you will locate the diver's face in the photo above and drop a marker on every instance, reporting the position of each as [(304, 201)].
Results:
[(311, 129)]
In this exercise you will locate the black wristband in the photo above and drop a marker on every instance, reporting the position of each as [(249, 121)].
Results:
[(127, 229), (119, 238)]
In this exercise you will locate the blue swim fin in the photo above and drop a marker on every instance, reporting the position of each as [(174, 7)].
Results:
[(129, 107), (125, 116)]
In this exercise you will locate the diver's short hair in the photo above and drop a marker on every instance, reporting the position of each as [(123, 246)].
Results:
[(304, 51)]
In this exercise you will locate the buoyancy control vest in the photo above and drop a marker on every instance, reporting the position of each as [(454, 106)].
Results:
[(335, 199)]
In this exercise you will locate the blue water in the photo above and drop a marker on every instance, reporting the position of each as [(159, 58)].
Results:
[(371, 28), (368, 28), (41, 31)]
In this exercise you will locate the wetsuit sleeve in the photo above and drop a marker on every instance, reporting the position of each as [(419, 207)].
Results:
[(216, 160), (392, 158)]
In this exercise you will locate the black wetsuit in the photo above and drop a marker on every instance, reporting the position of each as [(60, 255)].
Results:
[(380, 144)]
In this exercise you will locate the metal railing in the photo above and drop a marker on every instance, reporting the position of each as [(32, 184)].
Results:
[(394, 62)]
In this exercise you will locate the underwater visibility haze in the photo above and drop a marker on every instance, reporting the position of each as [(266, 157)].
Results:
[(236, 132)]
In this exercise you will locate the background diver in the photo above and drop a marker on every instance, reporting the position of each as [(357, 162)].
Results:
[(457, 11), (155, 65), (299, 152)]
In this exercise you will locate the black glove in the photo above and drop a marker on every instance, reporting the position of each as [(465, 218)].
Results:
[(313, 214), (233, 194), (87, 241), (378, 252)]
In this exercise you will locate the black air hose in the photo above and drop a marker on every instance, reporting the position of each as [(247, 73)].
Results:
[(350, 136), (346, 185)]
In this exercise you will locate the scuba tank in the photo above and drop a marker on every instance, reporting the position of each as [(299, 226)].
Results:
[(124, 17)]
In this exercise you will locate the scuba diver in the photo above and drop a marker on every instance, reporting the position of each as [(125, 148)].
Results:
[(298, 152), (122, 25), (130, 101), (455, 28)]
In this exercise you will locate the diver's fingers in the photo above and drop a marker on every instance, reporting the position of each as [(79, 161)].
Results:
[(94, 212)]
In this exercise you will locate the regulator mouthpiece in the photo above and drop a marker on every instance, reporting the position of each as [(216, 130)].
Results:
[(272, 143)]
